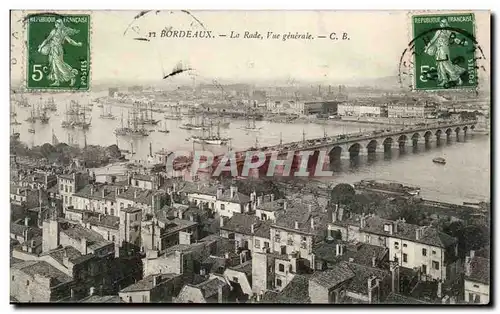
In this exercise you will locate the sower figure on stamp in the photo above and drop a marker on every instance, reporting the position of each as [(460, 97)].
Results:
[(52, 46), (439, 48)]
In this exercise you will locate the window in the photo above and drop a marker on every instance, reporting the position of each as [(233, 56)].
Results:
[(396, 259), (136, 215), (111, 203), (121, 205), (433, 252), (27, 282), (424, 269), (70, 189), (404, 245), (105, 210), (290, 239), (405, 258), (266, 245), (222, 206), (257, 243), (70, 200), (471, 297), (108, 235), (435, 265), (144, 298), (277, 238), (113, 238), (424, 252), (12, 278), (112, 212), (396, 245), (278, 282), (66, 188), (477, 299), (367, 238), (62, 187), (235, 279), (281, 267)]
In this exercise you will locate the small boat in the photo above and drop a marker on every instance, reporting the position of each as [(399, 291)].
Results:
[(165, 130), (31, 130), (439, 160)]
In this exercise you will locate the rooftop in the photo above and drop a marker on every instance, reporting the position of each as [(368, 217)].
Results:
[(147, 283), (107, 221), (332, 277), (43, 269), (174, 225), (361, 253), (480, 270), (296, 292), (273, 206), (77, 232)]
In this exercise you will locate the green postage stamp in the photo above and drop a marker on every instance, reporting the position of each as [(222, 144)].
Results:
[(444, 51), (58, 55)]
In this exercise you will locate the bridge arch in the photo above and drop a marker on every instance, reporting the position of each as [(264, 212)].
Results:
[(427, 136), (354, 150), (472, 127), (388, 144), (372, 146), (438, 133), (335, 154), (457, 130), (466, 128), (448, 131), (414, 138)]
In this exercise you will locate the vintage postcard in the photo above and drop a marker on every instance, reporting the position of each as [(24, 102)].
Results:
[(338, 157)]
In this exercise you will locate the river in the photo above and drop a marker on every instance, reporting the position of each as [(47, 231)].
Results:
[(465, 177)]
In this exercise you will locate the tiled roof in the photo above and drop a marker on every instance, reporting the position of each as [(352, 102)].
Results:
[(77, 232), (245, 268), (67, 251), (241, 223), (273, 206), (141, 196), (210, 287), (359, 282), (238, 197), (296, 292), (146, 284), (395, 298), (361, 253), (480, 270), (17, 229), (102, 299), (107, 221), (175, 225), (194, 188), (95, 191), (44, 269), (263, 229), (334, 276), (215, 263), (430, 236), (300, 213)]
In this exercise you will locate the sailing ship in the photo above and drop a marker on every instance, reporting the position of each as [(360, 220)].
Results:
[(195, 125), (145, 118), (108, 115), (439, 160), (23, 102), (43, 117), (250, 123), (31, 130), (175, 113), (164, 130), (32, 118), (133, 128), (211, 139), (50, 105), (76, 117)]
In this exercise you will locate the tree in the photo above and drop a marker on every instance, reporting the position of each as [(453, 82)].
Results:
[(342, 194)]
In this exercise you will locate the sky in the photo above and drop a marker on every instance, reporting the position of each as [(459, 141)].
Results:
[(377, 40)]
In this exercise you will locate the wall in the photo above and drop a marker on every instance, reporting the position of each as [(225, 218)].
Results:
[(476, 288), (242, 279), (259, 272), (318, 293)]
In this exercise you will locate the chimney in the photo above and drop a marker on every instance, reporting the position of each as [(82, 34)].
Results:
[(226, 255), (252, 196), (312, 223), (374, 261), (220, 190), (296, 225), (309, 207), (339, 249), (135, 194), (333, 215), (100, 217), (72, 294), (234, 190), (84, 246), (252, 228), (156, 279), (27, 221), (92, 189), (373, 283), (92, 291), (153, 201), (394, 268), (103, 192), (221, 221), (219, 294), (191, 217), (179, 213), (439, 291), (284, 204), (259, 200), (340, 213), (418, 233), (272, 197), (395, 227), (117, 191), (363, 221), (32, 243)]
